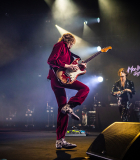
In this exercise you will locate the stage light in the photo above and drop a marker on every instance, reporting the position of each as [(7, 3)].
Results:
[(98, 48), (81, 47), (100, 79), (85, 22), (63, 9), (98, 20), (87, 31)]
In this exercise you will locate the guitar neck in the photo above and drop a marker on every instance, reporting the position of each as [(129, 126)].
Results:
[(93, 56)]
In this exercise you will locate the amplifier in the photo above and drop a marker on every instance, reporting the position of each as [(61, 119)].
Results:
[(91, 118)]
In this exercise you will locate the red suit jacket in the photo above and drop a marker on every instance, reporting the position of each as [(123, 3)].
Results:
[(59, 56)]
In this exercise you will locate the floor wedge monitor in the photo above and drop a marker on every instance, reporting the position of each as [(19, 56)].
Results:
[(119, 141)]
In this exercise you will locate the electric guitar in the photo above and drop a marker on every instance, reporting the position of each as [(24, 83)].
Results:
[(122, 92), (68, 76)]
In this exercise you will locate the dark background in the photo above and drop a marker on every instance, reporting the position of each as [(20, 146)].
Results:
[(27, 36)]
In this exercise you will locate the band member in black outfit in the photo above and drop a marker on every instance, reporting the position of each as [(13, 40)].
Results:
[(123, 89)]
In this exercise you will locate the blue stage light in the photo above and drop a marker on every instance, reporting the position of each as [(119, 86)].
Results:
[(98, 20)]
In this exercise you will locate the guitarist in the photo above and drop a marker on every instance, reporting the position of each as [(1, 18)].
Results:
[(62, 57), (123, 89)]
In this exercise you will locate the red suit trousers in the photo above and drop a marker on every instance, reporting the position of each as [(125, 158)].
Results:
[(60, 94)]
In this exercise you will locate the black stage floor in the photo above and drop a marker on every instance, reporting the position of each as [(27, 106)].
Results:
[(40, 145)]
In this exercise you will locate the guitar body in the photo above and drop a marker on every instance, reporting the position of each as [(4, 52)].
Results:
[(68, 76)]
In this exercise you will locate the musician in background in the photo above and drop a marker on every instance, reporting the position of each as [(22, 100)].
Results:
[(123, 89), (61, 58)]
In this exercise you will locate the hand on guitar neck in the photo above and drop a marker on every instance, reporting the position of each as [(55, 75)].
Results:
[(82, 66)]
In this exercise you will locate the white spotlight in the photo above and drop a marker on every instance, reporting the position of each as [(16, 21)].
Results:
[(98, 20), (85, 22), (98, 48), (100, 79)]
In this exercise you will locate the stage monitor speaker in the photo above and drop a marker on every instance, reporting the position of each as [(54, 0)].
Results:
[(119, 141)]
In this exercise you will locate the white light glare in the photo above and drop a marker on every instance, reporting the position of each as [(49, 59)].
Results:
[(85, 22), (100, 79), (98, 48), (98, 20)]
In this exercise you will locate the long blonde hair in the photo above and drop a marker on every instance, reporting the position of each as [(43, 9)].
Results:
[(68, 38)]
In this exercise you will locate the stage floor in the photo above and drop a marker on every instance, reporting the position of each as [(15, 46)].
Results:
[(40, 145)]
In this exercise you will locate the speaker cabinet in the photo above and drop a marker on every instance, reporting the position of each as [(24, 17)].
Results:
[(105, 116), (119, 141)]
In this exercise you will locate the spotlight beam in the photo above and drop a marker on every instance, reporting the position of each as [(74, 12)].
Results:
[(81, 47)]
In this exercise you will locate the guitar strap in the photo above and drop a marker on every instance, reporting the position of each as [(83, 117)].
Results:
[(74, 55)]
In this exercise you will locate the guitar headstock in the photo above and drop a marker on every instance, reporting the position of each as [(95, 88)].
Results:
[(106, 49)]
